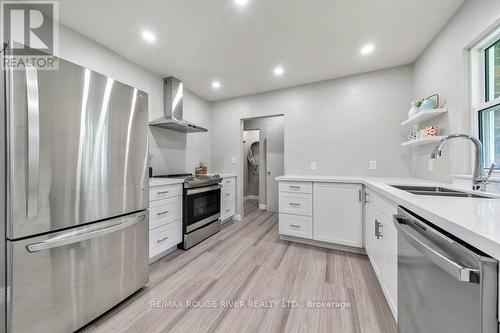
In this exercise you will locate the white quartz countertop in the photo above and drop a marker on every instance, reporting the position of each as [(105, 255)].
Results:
[(475, 221)]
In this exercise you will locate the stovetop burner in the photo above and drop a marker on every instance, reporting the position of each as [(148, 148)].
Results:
[(191, 181)]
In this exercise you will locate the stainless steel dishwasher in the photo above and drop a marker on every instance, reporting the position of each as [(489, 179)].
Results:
[(444, 285)]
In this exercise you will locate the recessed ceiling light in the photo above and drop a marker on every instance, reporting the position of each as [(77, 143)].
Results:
[(216, 85), (367, 49), (279, 71), (241, 2), (148, 36)]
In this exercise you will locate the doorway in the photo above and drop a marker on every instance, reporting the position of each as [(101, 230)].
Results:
[(263, 161)]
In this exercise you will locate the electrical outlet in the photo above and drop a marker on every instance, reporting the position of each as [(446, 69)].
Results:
[(431, 164), (373, 165), (233, 160), (314, 165)]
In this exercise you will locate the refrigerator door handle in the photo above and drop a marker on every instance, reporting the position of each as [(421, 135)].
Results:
[(33, 143), (83, 234)]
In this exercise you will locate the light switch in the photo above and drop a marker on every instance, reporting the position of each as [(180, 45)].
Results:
[(233, 160), (373, 165), (314, 165)]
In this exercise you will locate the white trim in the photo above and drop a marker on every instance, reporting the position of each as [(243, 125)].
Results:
[(477, 81), (237, 217), (262, 206)]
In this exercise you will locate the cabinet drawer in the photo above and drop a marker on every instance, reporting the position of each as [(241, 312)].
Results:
[(228, 209), (295, 203), (227, 195), (163, 192), (295, 225), (229, 182), (299, 187), (165, 211), (163, 238)]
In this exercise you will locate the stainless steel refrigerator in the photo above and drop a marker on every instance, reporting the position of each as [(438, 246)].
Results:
[(76, 196)]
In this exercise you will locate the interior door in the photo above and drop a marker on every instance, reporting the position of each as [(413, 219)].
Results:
[(274, 165), (77, 149)]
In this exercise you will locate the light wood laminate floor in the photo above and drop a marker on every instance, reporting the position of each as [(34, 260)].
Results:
[(246, 262)]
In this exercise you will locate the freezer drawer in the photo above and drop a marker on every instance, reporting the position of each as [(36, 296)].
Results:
[(60, 282)]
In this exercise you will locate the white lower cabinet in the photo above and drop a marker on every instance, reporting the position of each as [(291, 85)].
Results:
[(337, 214), (382, 245), (165, 219), (228, 199), (333, 213)]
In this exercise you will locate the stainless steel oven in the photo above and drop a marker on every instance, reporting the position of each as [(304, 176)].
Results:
[(444, 285), (201, 213)]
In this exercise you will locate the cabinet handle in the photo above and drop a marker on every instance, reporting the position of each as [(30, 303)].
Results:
[(162, 213), (293, 187), (294, 204), (164, 192), (378, 234), (366, 198), (227, 210), (295, 226), (227, 194), (359, 195), (161, 240)]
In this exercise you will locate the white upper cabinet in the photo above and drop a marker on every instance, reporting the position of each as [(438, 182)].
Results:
[(338, 214)]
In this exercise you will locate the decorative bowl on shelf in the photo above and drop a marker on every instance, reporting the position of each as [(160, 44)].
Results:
[(429, 103)]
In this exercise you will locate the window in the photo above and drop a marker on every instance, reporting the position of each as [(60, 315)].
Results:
[(489, 134), (492, 71), (485, 71)]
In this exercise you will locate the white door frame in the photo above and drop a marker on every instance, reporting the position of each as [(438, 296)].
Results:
[(239, 179)]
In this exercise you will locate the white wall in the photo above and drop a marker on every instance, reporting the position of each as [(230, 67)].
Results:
[(164, 145), (341, 124), (443, 68)]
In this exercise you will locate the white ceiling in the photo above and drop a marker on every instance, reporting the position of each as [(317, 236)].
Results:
[(199, 41)]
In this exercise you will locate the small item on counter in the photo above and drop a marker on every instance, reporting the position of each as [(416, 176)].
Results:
[(198, 171), (202, 169), (204, 165)]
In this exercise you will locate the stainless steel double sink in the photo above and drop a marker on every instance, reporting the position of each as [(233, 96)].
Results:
[(440, 191)]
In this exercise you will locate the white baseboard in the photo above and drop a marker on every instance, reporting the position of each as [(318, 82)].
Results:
[(250, 197), (262, 206), (237, 217)]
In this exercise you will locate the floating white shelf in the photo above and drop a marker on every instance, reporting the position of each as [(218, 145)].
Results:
[(422, 116), (422, 141)]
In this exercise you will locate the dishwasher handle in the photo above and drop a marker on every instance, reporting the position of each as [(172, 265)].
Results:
[(437, 256)]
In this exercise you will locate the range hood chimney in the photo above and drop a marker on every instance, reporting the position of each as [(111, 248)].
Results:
[(173, 91)]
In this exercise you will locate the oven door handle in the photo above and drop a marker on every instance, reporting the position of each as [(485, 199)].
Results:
[(203, 189), (437, 256)]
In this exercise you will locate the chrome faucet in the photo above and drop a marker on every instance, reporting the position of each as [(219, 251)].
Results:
[(479, 180)]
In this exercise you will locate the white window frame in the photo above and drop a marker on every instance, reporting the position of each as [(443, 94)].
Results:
[(478, 87)]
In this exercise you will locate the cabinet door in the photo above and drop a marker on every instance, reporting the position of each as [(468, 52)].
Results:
[(337, 216), (390, 265), (369, 229)]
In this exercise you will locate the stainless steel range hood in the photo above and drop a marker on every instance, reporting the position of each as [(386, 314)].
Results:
[(173, 91)]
